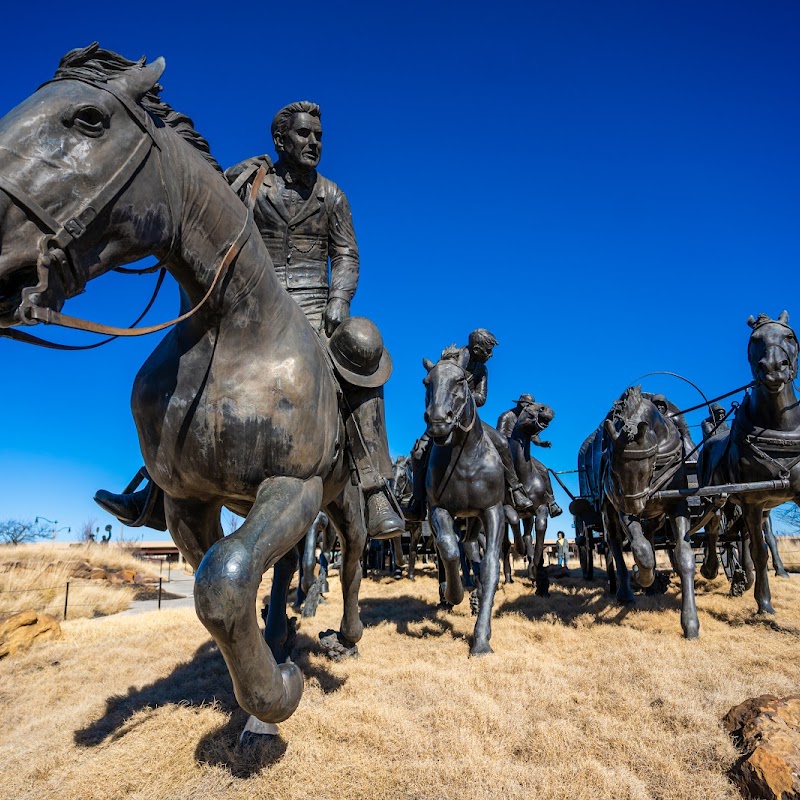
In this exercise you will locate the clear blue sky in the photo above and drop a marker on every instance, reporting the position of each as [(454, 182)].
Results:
[(609, 187)]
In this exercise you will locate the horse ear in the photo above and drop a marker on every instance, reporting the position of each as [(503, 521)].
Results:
[(428, 364), (610, 430), (784, 317), (751, 321), (138, 81)]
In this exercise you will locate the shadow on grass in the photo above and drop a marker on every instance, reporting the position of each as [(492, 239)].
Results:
[(405, 611), (572, 597), (198, 682), (758, 620)]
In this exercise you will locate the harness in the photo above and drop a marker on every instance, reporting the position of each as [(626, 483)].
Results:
[(56, 254)]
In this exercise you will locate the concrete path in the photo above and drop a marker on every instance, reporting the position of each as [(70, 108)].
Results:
[(180, 584)]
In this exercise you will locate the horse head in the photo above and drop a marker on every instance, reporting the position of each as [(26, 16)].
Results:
[(633, 448), (401, 476), (448, 398), (534, 418), (772, 352), (69, 207)]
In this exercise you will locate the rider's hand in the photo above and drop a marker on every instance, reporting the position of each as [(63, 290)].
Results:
[(336, 312)]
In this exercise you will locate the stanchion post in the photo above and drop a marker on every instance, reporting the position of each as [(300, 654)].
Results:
[(159, 594), (66, 601), (169, 571)]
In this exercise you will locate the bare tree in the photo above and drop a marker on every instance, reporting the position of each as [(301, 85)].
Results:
[(17, 531), (87, 530)]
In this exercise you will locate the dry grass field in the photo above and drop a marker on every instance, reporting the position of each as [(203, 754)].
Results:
[(582, 699), (35, 576)]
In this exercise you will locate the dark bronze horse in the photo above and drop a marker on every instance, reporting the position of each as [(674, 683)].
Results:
[(763, 443), (533, 419), (642, 452), (237, 406), (402, 485), (465, 480)]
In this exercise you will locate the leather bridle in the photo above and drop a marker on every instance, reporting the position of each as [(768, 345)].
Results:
[(55, 246)]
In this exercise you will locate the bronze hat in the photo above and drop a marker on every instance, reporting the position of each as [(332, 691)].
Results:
[(358, 354)]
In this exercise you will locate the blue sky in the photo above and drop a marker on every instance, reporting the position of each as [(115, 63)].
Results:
[(611, 188)]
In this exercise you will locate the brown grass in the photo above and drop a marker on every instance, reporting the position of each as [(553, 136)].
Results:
[(582, 699), (35, 576)]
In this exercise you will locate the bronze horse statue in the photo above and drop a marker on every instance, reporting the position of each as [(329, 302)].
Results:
[(763, 444), (237, 406), (642, 451), (464, 480), (402, 484), (533, 419)]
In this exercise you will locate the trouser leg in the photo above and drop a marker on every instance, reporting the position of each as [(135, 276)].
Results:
[(419, 471), (366, 433)]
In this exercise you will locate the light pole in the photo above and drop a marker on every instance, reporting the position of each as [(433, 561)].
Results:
[(54, 523)]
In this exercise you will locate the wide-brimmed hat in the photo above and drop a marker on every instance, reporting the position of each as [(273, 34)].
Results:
[(525, 400), (358, 354)]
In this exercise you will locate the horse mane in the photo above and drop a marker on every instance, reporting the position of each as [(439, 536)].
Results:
[(628, 403), (96, 65), (451, 353)]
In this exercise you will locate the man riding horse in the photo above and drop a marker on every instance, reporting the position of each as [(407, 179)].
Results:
[(477, 352), (305, 221), (505, 424)]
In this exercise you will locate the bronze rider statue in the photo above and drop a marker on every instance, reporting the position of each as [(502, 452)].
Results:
[(305, 222)]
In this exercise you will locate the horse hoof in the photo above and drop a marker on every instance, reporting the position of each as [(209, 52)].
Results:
[(482, 649), (336, 646), (444, 606), (781, 573), (766, 608), (257, 733), (708, 573), (692, 631), (626, 600)]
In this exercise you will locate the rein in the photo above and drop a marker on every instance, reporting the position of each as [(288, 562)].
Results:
[(54, 247)]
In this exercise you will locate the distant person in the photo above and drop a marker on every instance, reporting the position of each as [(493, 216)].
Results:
[(563, 550)]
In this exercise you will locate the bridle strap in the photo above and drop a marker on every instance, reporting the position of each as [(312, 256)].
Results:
[(50, 317)]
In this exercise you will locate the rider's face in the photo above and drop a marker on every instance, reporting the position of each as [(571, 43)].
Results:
[(301, 143), (481, 352)]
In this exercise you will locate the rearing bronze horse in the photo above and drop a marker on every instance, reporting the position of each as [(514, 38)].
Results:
[(237, 406)]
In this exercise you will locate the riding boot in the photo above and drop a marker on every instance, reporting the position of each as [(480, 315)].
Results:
[(415, 512), (144, 507), (519, 498), (366, 432)]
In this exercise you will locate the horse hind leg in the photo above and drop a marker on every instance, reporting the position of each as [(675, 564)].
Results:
[(772, 544), (685, 566), (226, 584), (345, 515), (710, 567), (542, 578)]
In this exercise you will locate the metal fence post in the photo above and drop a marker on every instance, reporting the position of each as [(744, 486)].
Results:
[(169, 571), (159, 594), (66, 601)]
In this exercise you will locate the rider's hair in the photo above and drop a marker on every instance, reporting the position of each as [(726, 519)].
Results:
[(483, 337), (283, 118)]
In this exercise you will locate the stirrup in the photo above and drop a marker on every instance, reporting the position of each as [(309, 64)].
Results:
[(152, 514)]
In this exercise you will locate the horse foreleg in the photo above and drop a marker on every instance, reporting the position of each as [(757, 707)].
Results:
[(277, 626), (226, 584), (685, 565), (416, 532), (307, 563), (710, 567), (754, 520), (447, 547), (490, 574), (542, 578), (613, 528), (772, 544), (508, 576)]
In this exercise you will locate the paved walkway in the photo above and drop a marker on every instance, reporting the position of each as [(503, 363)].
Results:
[(180, 584)]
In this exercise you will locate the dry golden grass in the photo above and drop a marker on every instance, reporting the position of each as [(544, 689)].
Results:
[(582, 699), (35, 576)]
